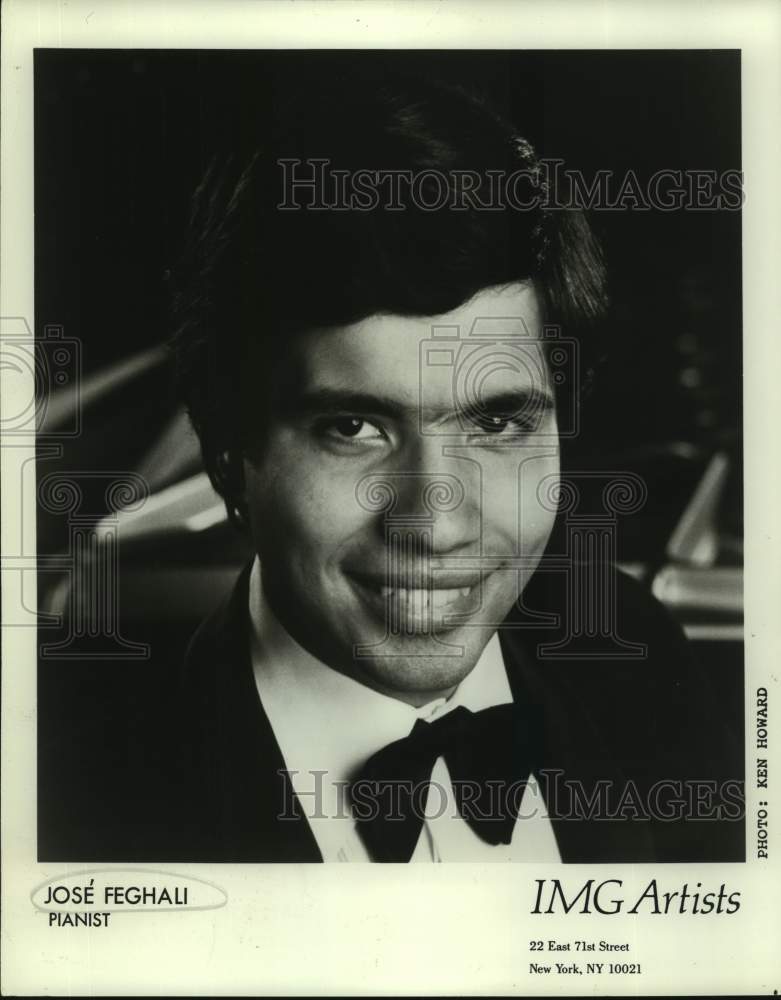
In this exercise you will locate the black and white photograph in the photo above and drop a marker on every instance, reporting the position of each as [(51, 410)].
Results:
[(382, 479), (412, 456)]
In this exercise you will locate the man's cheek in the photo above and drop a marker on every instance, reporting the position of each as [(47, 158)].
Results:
[(538, 491), (312, 516)]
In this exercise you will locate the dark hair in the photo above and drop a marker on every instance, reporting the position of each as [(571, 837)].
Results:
[(252, 275)]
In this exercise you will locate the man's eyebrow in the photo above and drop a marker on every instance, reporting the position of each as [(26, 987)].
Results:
[(512, 402), (327, 399)]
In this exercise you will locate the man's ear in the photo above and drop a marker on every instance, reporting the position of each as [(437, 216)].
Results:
[(230, 482)]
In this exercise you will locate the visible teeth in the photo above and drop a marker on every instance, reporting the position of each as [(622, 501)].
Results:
[(437, 598)]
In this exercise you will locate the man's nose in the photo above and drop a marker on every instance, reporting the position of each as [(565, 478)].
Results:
[(437, 494)]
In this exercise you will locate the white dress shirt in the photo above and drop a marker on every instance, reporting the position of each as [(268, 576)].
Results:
[(327, 725)]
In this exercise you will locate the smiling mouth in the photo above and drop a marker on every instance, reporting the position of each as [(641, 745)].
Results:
[(436, 600), (416, 609)]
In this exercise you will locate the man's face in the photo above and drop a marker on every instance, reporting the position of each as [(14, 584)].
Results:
[(399, 492)]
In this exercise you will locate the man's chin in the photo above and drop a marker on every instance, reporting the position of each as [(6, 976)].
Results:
[(419, 668)]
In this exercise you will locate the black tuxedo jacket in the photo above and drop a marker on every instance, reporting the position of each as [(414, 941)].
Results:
[(620, 739)]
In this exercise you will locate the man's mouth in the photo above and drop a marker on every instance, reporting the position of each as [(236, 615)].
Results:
[(418, 609), (435, 600)]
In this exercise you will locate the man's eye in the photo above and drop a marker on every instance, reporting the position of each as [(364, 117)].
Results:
[(354, 429), (495, 425)]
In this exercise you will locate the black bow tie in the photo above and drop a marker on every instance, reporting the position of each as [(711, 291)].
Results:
[(489, 755)]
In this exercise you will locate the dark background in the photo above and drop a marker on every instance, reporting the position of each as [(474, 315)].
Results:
[(122, 138)]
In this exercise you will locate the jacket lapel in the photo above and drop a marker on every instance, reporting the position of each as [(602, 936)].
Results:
[(255, 816), (574, 759)]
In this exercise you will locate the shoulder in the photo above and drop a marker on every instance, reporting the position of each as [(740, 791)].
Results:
[(620, 661), (222, 635), (630, 707), (596, 615)]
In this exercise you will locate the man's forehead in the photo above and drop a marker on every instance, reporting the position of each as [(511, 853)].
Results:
[(345, 371), (495, 335)]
